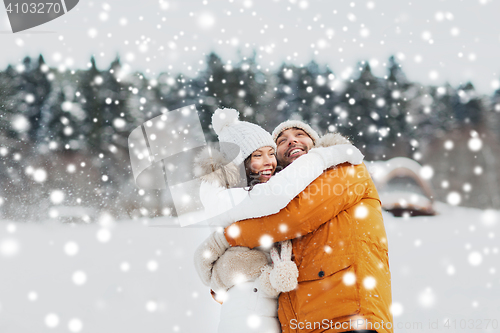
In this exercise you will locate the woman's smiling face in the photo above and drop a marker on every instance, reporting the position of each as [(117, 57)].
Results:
[(263, 163)]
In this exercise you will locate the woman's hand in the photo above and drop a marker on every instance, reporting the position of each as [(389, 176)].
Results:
[(207, 254), (339, 154)]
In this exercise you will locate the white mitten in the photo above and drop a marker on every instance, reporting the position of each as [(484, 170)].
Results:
[(237, 265), (284, 275), (332, 139), (265, 282), (339, 154), (207, 254)]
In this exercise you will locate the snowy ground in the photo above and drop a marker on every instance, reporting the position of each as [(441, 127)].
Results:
[(127, 277)]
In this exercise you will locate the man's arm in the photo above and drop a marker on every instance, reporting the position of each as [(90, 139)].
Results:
[(333, 192)]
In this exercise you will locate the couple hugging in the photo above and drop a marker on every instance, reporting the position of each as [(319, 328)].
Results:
[(305, 249)]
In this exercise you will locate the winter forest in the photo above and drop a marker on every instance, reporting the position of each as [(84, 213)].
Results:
[(64, 133)]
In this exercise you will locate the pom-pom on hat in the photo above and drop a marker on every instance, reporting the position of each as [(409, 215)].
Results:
[(249, 137), (295, 124)]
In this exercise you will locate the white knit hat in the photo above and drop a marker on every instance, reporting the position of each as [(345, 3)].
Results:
[(295, 124), (249, 137)]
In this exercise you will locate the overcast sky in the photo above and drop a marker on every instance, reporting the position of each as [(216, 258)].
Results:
[(436, 41)]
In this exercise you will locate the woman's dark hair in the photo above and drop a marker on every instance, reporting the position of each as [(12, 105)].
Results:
[(252, 178)]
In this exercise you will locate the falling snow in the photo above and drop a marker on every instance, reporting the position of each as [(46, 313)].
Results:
[(132, 278)]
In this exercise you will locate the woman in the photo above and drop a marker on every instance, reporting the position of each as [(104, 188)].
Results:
[(241, 278)]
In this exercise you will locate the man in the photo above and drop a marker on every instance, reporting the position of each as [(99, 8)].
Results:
[(339, 245)]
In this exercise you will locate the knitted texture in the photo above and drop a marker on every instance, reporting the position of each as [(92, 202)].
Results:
[(332, 139), (249, 137), (295, 124), (284, 275), (265, 282)]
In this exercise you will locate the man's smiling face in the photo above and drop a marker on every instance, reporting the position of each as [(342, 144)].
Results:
[(292, 143)]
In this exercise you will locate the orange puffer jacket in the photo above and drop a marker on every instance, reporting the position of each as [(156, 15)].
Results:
[(340, 247)]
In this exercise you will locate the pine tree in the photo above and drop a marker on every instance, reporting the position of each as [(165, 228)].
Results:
[(363, 113), (88, 91), (494, 114), (113, 97), (24, 95), (60, 123), (468, 106), (401, 120)]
